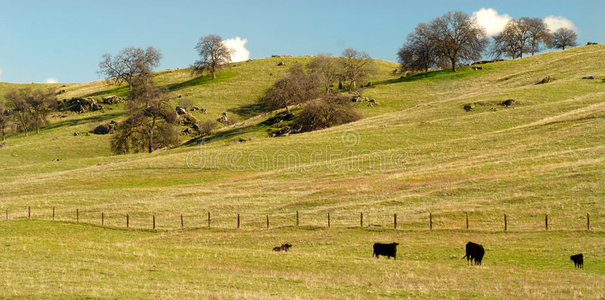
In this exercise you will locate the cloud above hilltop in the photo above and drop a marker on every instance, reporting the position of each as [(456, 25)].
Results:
[(0, 74), (556, 22), (494, 22), (51, 80), (237, 45)]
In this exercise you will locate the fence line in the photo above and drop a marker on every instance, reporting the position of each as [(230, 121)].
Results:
[(257, 223)]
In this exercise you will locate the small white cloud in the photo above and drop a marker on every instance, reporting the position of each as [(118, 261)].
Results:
[(492, 21), (0, 74), (555, 22), (240, 53), (51, 80)]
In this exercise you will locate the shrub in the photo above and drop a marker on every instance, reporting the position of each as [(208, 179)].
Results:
[(327, 112), (206, 127)]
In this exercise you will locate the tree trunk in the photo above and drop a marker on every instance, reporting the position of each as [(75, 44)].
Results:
[(213, 75), (453, 64), (150, 147)]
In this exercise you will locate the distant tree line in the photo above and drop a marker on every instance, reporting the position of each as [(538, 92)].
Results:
[(456, 37)]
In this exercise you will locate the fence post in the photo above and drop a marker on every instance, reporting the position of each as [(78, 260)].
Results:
[(237, 221), (546, 221), (267, 221), (29, 212), (505, 223), (77, 215), (297, 218), (431, 221), (182, 223), (154, 222), (361, 220), (127, 221), (466, 220), (208, 219), (102, 218), (53, 213), (395, 221), (587, 221), (328, 220)]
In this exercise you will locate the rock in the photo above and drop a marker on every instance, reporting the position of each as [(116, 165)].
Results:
[(369, 84), (281, 63), (203, 110), (189, 130), (395, 71), (591, 43), (76, 133), (546, 79), (195, 108), (108, 128), (468, 107), (181, 111), (223, 118), (589, 77), (111, 100), (477, 68), (3, 145), (508, 102)]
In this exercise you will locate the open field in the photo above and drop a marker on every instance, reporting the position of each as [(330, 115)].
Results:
[(418, 152)]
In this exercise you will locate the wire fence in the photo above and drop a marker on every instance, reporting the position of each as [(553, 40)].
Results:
[(256, 221)]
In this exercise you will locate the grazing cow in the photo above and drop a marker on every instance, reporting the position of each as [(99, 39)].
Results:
[(388, 250), (578, 260), (474, 252), (283, 247)]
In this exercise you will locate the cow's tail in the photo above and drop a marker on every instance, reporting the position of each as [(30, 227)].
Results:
[(464, 256)]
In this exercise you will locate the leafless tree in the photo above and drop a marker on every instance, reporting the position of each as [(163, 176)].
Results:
[(327, 111), (31, 107), (5, 120), (213, 55), (129, 64), (563, 38), (356, 66), (418, 52), (150, 123), (513, 40), (327, 68), (458, 37), (295, 88), (538, 34)]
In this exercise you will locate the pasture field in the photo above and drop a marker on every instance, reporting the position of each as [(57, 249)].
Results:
[(417, 153)]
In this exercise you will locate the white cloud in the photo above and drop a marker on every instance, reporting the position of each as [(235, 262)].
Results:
[(240, 53), (0, 74), (555, 22), (51, 80), (492, 21)]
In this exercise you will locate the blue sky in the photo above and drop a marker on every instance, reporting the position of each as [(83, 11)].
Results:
[(64, 40)]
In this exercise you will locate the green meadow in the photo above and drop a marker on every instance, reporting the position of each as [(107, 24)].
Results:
[(417, 153)]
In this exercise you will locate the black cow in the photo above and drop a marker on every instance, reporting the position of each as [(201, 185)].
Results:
[(578, 260), (474, 252), (388, 250)]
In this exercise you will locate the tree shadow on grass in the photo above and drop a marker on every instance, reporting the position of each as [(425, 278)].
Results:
[(249, 110), (204, 79), (443, 74), (222, 135), (90, 119)]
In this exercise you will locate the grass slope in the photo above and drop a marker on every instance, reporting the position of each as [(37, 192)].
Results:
[(417, 153)]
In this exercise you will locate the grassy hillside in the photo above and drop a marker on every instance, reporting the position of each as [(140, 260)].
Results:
[(418, 152)]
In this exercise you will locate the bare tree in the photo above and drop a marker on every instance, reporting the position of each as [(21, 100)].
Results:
[(356, 66), (458, 37), (213, 55), (5, 120), (327, 68), (418, 52), (129, 64), (150, 124), (513, 41), (538, 34), (295, 88), (31, 107), (563, 38)]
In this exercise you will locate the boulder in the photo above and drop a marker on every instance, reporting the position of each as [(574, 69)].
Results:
[(223, 118), (181, 111), (508, 102), (546, 79), (195, 108), (589, 77), (111, 100), (468, 107), (108, 128), (281, 63)]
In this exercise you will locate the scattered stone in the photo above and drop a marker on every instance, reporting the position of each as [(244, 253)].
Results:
[(395, 71), (195, 108), (111, 100), (589, 77), (281, 63), (468, 107), (340, 87), (508, 102), (591, 43), (546, 79), (76, 133), (223, 118), (108, 128), (57, 159), (369, 84), (181, 111)]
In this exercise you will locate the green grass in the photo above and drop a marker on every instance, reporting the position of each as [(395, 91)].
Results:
[(543, 155)]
